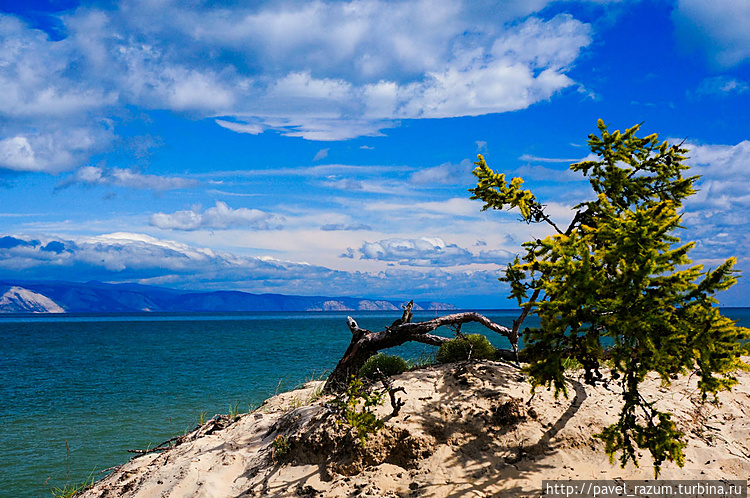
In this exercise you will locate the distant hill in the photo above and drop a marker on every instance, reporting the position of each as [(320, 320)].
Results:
[(97, 297)]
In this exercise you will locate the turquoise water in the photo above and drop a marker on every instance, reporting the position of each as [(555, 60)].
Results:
[(107, 384)]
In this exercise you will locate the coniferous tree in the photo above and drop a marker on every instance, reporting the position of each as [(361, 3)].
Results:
[(618, 284)]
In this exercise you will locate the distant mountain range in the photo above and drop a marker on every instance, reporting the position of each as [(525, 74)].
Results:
[(97, 297)]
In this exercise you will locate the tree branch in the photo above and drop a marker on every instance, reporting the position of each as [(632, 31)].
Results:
[(366, 343)]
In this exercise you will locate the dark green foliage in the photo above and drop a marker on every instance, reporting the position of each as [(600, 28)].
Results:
[(472, 346), (618, 275), (387, 364)]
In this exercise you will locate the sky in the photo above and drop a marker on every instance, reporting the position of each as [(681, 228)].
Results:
[(326, 147)]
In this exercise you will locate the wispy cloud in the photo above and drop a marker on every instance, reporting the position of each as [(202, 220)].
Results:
[(93, 175), (537, 159), (336, 227), (249, 128), (719, 29), (444, 174), (321, 154), (323, 170), (722, 86)]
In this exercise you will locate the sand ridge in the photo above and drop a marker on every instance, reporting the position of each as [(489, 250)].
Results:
[(466, 429)]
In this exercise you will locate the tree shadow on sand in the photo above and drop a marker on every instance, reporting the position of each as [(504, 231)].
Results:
[(493, 436)]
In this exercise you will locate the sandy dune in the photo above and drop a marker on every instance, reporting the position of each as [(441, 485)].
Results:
[(467, 430)]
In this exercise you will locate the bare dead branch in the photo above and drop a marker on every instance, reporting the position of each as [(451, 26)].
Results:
[(366, 343)]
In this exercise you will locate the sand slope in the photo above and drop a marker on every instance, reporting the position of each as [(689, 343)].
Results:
[(466, 430)]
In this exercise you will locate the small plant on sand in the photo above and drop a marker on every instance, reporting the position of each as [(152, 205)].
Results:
[(234, 411), (356, 405), (472, 346), (202, 418), (385, 363), (279, 447), (71, 489)]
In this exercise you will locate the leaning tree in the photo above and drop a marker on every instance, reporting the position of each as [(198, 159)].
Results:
[(616, 283)]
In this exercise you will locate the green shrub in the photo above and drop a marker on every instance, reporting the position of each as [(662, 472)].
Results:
[(279, 447), (357, 408), (386, 363), (474, 346)]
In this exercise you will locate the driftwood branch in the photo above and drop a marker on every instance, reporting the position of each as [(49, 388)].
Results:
[(396, 403), (366, 343), (216, 423)]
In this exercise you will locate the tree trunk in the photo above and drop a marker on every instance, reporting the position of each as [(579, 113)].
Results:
[(365, 343)]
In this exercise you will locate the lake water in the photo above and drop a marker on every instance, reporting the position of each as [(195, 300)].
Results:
[(109, 383)]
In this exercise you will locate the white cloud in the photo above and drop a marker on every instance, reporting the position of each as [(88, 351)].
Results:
[(251, 129), (335, 227), (53, 149), (715, 216), (16, 154), (45, 107), (444, 174), (133, 257), (321, 154), (427, 251), (318, 70), (720, 161), (93, 175), (37, 78), (543, 173), (219, 217), (722, 86), (449, 208), (525, 66), (719, 28), (536, 159)]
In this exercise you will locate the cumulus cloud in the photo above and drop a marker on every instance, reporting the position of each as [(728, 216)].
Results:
[(427, 251), (219, 217), (118, 177), (715, 215), (717, 28), (317, 70), (45, 108), (115, 256), (720, 161), (52, 149)]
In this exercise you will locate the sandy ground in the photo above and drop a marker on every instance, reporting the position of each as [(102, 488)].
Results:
[(466, 430)]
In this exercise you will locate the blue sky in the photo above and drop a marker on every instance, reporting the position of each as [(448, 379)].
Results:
[(325, 148)]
